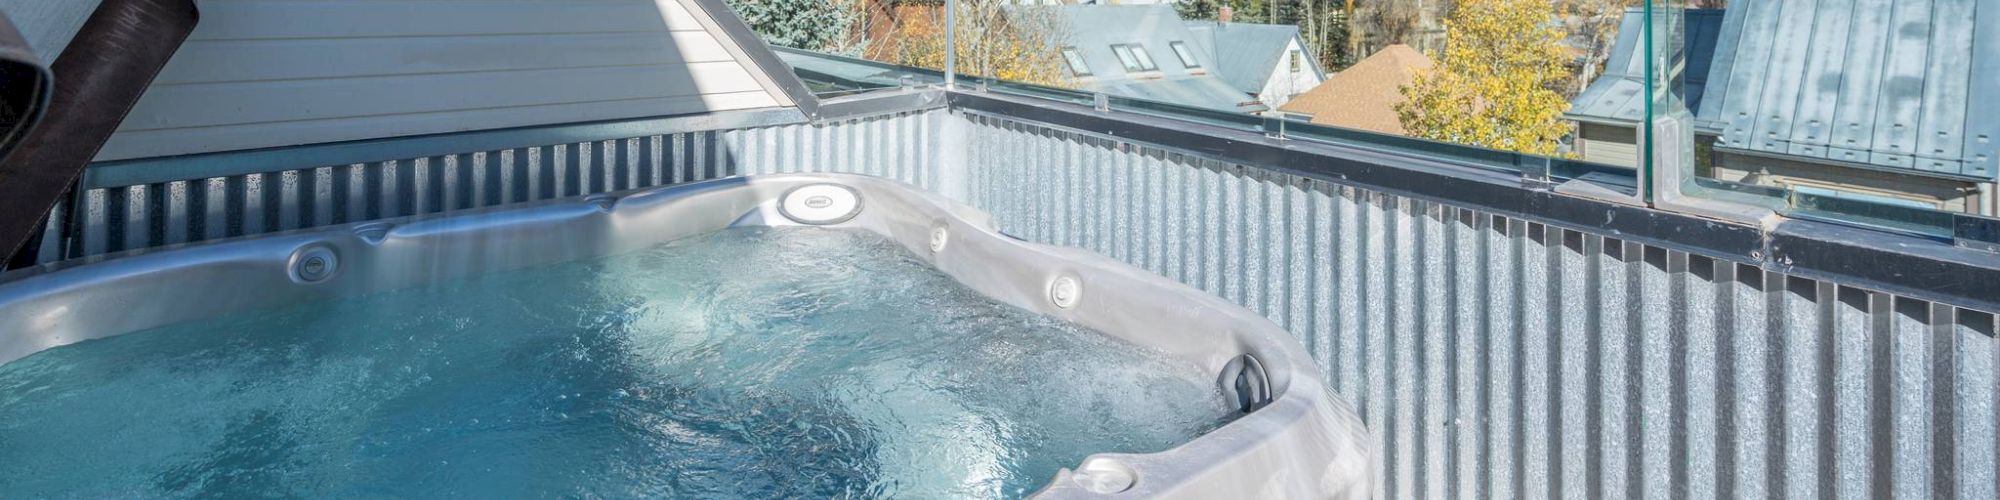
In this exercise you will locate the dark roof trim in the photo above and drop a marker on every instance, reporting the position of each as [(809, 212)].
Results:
[(1907, 265), (759, 54), (1839, 163)]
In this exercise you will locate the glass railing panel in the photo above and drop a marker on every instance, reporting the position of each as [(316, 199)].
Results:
[(1864, 114), (1374, 78), (1714, 100)]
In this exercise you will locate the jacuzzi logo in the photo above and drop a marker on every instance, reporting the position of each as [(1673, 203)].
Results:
[(820, 204)]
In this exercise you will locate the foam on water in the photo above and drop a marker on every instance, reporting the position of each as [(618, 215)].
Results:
[(748, 362)]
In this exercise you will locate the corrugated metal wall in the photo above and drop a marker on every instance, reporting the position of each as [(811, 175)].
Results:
[(1499, 358), (1493, 357), (146, 215)]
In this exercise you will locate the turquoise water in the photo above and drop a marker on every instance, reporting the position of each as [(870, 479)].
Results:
[(745, 363)]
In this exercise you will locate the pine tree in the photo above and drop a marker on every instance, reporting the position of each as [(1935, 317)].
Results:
[(1322, 23), (1491, 87), (816, 25)]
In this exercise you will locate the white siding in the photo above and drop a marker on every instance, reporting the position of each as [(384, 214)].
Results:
[(268, 73), (48, 25), (1283, 83), (1608, 145)]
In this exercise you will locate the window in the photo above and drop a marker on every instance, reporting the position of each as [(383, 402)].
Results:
[(1125, 57), (1134, 58), (1187, 56), (1145, 60), (1295, 61), (1075, 60)]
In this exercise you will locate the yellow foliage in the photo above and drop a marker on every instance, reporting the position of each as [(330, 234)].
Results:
[(1492, 86), (1021, 45)]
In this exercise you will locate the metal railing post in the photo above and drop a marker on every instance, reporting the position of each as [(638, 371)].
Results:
[(951, 44)]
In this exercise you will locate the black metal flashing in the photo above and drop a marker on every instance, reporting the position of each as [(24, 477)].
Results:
[(1916, 267), (1902, 265)]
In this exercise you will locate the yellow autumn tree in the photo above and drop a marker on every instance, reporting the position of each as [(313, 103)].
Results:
[(1492, 87), (994, 38)]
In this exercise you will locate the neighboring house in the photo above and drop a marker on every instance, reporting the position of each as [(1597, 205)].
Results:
[(1144, 52), (1365, 95), (1892, 105), (1427, 33), (1266, 61), (1609, 110)]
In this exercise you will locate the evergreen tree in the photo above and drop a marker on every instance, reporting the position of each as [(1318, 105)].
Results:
[(1322, 23), (816, 25)]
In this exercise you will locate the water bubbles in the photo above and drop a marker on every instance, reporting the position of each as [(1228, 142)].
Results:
[(749, 362)]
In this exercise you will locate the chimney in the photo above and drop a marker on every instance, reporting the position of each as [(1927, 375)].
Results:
[(1224, 16)]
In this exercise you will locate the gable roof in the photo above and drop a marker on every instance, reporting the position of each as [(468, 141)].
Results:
[(1900, 86), (1245, 53), (1093, 29), (1364, 96), (1618, 97)]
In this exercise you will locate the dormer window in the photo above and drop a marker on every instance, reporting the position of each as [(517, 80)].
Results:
[(1075, 60), (1134, 58), (1187, 56)]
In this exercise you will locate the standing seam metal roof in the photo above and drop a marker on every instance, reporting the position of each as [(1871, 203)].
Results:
[(1910, 86), (1093, 29), (1245, 53)]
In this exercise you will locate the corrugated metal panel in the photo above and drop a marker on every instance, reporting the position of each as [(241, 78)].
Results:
[(114, 219), (1501, 358)]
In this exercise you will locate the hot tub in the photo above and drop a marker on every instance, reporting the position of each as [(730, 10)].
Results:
[(1289, 436)]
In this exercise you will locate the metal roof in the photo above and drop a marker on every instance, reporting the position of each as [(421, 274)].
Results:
[(1618, 97), (1093, 29), (1245, 53), (1901, 86)]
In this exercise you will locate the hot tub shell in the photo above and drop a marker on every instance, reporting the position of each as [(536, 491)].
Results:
[(1299, 441)]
